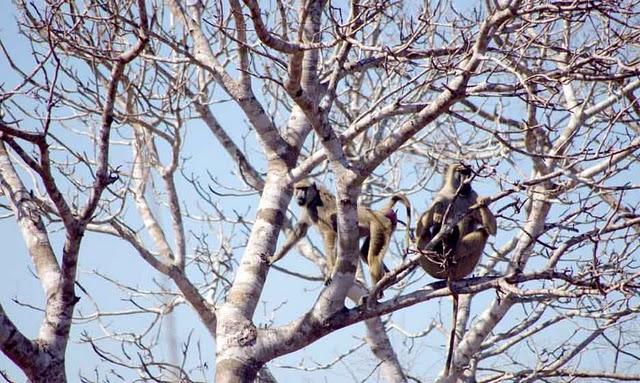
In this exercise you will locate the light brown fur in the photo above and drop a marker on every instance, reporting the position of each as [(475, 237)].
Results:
[(382, 224), (469, 237), (319, 209)]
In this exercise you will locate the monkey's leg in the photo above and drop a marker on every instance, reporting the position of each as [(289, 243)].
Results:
[(298, 232), (436, 265), (468, 253), (449, 243), (364, 249), (380, 237), (364, 254), (422, 231), (424, 228), (330, 254)]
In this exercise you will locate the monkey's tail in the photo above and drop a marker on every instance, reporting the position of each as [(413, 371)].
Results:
[(452, 336), (399, 197)]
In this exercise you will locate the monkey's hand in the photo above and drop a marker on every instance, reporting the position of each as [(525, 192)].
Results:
[(327, 280)]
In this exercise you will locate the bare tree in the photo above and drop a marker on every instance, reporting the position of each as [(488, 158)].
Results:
[(100, 139), (43, 358)]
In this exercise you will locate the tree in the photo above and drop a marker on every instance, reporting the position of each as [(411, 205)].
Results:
[(100, 141)]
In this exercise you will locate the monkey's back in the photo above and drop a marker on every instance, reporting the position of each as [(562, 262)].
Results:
[(325, 213)]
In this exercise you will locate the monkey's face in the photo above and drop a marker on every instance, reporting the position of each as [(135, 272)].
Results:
[(462, 176), (304, 194)]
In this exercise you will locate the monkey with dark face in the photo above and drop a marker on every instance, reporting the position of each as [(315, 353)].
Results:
[(458, 253), (319, 209)]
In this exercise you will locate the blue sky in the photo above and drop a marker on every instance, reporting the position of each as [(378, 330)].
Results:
[(115, 259)]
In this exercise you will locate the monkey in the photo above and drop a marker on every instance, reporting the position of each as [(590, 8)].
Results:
[(469, 235), (382, 224), (458, 252), (319, 209)]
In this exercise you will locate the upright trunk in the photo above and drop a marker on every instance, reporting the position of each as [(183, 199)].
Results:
[(237, 370), (236, 335), (52, 372)]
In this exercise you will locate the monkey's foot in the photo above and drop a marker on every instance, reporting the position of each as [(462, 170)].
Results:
[(327, 281)]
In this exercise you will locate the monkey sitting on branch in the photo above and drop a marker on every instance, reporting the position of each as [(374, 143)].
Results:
[(458, 206), (319, 209), (467, 222)]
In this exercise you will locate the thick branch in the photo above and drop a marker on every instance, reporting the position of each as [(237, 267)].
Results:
[(15, 345)]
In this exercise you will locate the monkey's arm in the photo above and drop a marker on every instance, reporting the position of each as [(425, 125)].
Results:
[(485, 216), (299, 231), (428, 219)]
